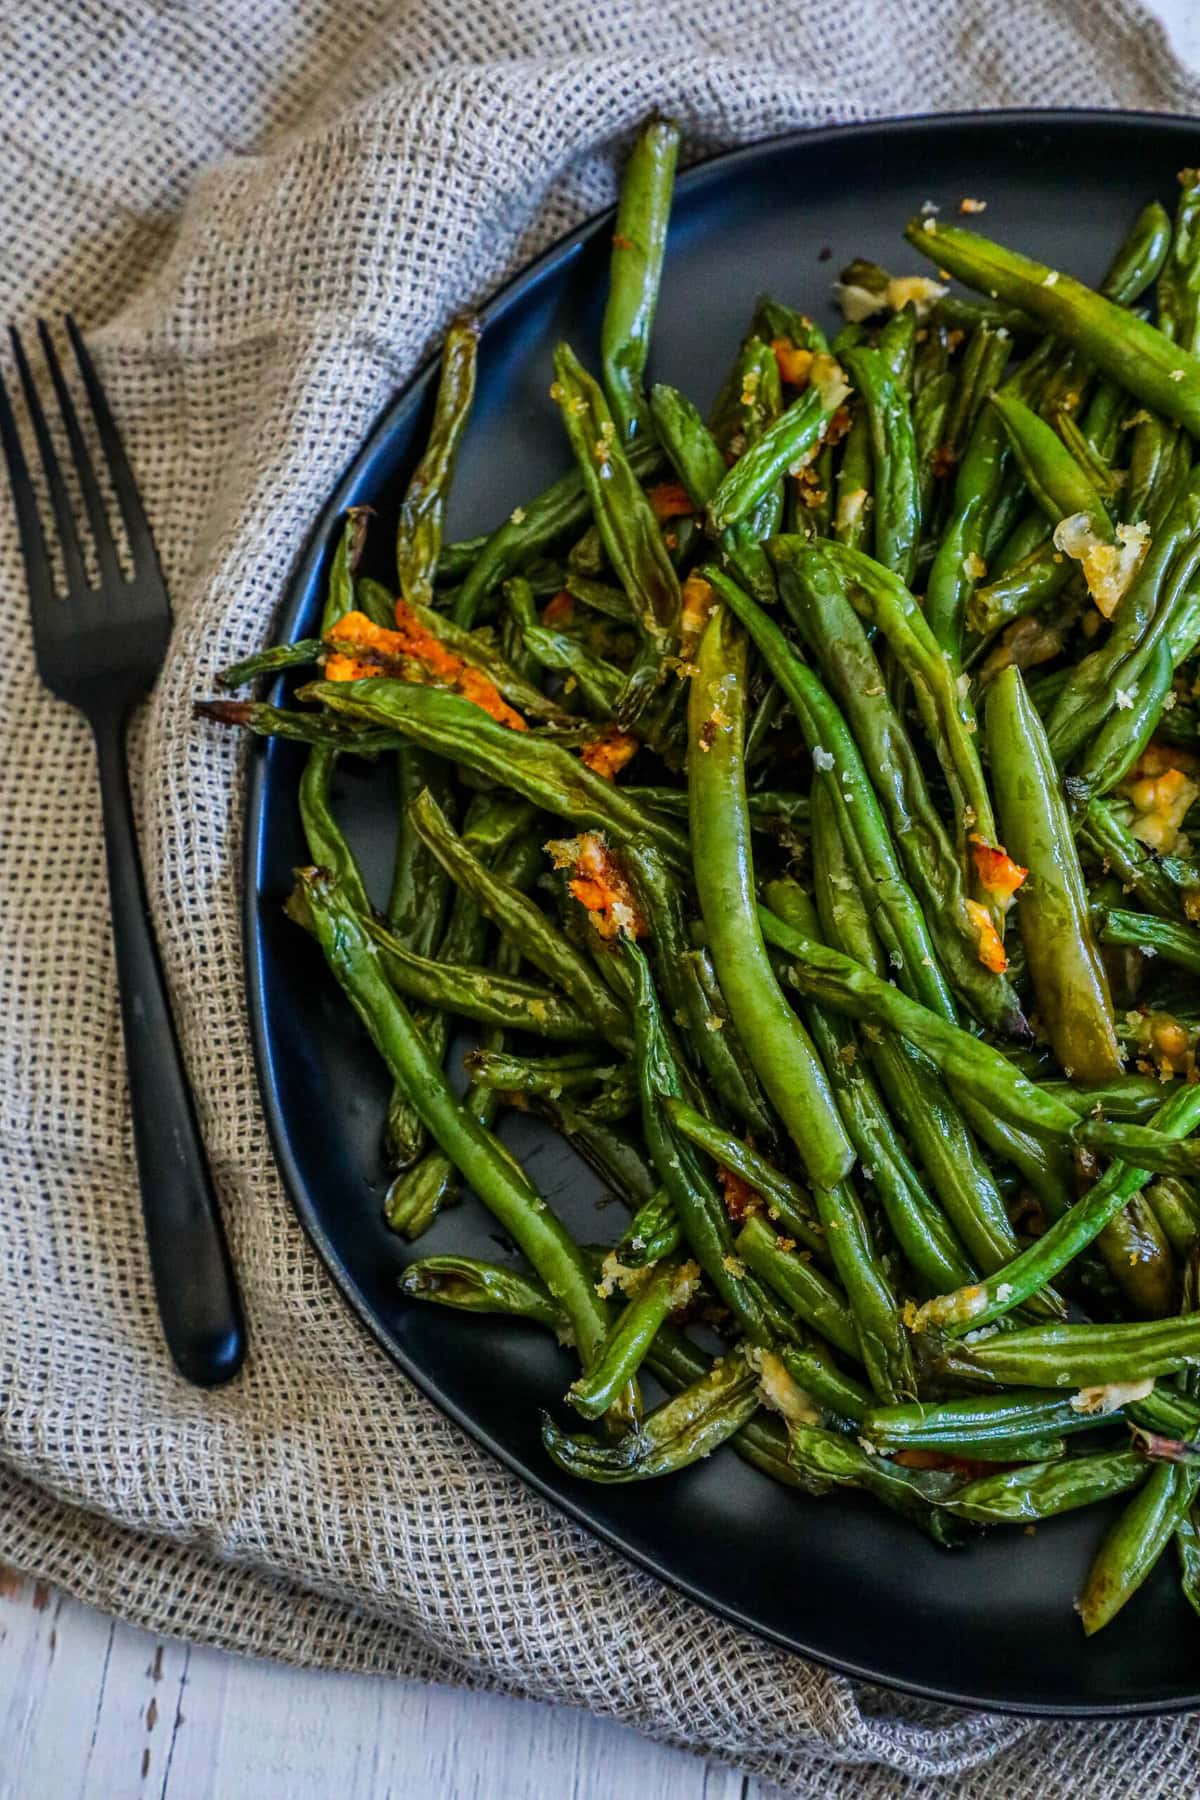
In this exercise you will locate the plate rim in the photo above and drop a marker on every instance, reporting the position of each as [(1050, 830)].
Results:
[(302, 572)]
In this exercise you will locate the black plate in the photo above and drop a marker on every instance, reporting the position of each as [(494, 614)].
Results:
[(837, 1580)]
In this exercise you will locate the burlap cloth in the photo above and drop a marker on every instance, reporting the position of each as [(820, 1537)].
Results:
[(265, 212)]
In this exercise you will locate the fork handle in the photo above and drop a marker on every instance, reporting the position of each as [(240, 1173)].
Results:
[(197, 1297)]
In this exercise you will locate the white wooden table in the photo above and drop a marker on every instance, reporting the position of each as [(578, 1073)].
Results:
[(91, 1708)]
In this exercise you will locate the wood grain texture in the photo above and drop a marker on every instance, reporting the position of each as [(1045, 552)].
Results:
[(92, 1709)]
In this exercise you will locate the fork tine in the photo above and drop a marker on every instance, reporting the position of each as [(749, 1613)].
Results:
[(60, 500), (93, 499), (137, 526), (29, 523)]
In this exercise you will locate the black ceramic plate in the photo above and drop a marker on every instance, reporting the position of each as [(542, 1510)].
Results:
[(835, 1579)]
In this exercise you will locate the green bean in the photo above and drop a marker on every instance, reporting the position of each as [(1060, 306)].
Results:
[(468, 1285), (784, 1199), (339, 596), (959, 562), (491, 823), (297, 727), (600, 683), (841, 774), (420, 889), (784, 1058), (986, 1423), (690, 446), (1065, 966), (1187, 1542), (884, 601), (628, 528), (1078, 1356), (639, 242), (897, 345), (826, 1457), (456, 560), (920, 1101), (700, 458), (830, 1388), (833, 979), (1150, 877), (1052, 475), (1175, 1206), (983, 363), (477, 993), (897, 480), (1160, 374), (698, 1206), (1131, 1097), (600, 596), (808, 1293), (418, 1194), (1141, 619), (623, 1351), (501, 1185), (1179, 282), (562, 508), (972, 1307), (774, 319), (1135, 1542), (1039, 1491), (268, 662), (814, 595), (1176, 944), (536, 768), (1141, 1145), (782, 448), (684, 1429), (929, 414), (1124, 735), (423, 508), (769, 808), (523, 921), (326, 843), (652, 1234), (883, 1344), (962, 312), (853, 523), (552, 1075), (693, 994)]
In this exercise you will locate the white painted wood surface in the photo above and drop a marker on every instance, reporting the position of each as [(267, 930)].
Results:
[(91, 1709)]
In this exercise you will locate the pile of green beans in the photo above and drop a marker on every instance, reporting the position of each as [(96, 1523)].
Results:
[(736, 839)]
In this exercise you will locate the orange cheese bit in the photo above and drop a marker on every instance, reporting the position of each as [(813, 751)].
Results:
[(599, 884), (991, 949), (607, 754), (1162, 791), (999, 876), (740, 1198), (669, 500), (372, 649), (697, 602), (559, 610), (795, 364), (812, 493)]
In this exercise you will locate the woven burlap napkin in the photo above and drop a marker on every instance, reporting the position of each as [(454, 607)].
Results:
[(264, 212)]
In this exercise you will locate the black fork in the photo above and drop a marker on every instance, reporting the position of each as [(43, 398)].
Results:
[(99, 648)]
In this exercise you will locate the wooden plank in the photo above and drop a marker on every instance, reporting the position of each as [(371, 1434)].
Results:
[(101, 1711), (53, 1658), (254, 1728)]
